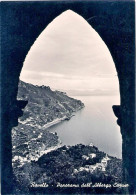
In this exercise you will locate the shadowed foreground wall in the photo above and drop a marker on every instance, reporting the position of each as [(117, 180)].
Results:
[(22, 22)]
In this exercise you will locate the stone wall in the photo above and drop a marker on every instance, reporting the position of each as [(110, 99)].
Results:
[(22, 22)]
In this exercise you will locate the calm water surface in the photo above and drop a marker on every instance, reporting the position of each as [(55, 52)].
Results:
[(95, 124)]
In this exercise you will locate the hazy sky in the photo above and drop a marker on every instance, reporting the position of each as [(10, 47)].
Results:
[(69, 55)]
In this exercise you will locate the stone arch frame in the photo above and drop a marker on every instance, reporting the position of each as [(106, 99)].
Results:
[(22, 22)]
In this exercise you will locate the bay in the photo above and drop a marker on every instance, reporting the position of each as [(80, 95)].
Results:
[(95, 123)]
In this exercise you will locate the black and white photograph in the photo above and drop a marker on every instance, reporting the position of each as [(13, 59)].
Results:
[(68, 97)]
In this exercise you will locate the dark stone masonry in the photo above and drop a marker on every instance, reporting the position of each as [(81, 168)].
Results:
[(22, 23)]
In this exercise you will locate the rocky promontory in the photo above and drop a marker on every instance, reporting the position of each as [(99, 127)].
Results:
[(45, 105), (31, 138)]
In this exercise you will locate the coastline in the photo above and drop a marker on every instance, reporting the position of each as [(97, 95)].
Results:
[(58, 120), (44, 150), (54, 122)]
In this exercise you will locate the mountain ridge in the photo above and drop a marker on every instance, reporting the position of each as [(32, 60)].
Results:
[(31, 139), (39, 157)]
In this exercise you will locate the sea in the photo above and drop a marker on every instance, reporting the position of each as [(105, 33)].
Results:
[(94, 124)]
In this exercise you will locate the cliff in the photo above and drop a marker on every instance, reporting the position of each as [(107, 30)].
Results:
[(31, 139), (45, 106)]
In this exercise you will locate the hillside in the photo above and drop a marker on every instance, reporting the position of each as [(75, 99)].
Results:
[(31, 139), (46, 106), (39, 157), (78, 169)]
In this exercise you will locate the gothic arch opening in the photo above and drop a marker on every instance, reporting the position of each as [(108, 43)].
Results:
[(68, 56)]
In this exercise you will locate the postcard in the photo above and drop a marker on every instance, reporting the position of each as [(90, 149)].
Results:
[(68, 97)]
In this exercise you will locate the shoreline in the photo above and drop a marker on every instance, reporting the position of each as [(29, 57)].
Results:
[(29, 158), (58, 120), (54, 122)]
